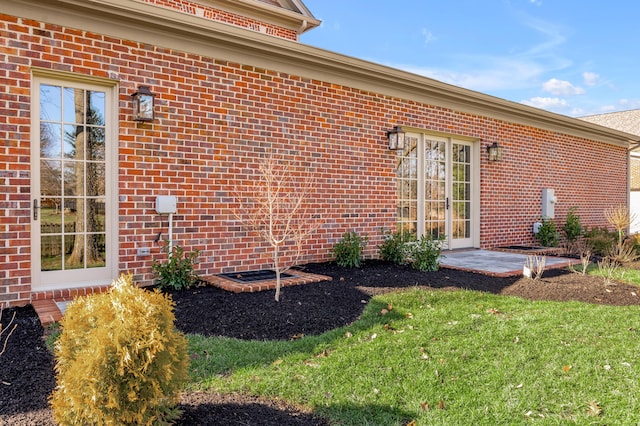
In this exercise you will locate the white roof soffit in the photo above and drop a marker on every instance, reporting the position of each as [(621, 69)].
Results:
[(146, 23)]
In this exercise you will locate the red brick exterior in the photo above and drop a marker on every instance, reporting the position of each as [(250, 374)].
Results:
[(218, 15), (214, 120)]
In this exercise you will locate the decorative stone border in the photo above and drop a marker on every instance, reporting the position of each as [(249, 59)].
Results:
[(251, 287)]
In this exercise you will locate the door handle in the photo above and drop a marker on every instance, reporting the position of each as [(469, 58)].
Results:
[(35, 209), (447, 203)]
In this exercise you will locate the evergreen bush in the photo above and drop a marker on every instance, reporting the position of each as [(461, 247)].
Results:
[(572, 227), (177, 272), (394, 247), (119, 359), (548, 235), (349, 251), (601, 240), (425, 253)]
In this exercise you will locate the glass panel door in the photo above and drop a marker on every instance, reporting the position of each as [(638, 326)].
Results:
[(461, 201), (70, 190), (435, 183), (407, 179)]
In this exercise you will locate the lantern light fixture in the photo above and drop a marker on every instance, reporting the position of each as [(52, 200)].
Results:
[(495, 152), (143, 104), (396, 138)]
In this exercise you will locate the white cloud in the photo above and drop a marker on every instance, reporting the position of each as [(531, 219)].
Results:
[(608, 108), (546, 103), (561, 87), (505, 74), (590, 78), (494, 73), (428, 36), (629, 103)]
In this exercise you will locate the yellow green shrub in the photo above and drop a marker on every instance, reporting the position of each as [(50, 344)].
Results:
[(119, 359)]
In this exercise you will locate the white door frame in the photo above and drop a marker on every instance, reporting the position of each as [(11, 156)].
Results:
[(450, 243), (84, 277)]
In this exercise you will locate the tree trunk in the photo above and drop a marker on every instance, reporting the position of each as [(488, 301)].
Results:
[(276, 266)]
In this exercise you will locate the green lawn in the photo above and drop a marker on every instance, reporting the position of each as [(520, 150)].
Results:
[(629, 275), (446, 358)]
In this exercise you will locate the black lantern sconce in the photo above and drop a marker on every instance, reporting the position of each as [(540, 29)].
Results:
[(396, 138), (495, 152), (143, 104)]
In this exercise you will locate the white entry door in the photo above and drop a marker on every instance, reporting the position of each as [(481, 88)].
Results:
[(74, 234), (437, 189)]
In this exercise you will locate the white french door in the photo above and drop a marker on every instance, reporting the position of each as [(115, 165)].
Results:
[(73, 184), (438, 189)]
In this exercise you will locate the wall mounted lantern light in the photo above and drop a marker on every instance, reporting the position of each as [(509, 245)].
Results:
[(495, 152), (396, 138), (143, 104)]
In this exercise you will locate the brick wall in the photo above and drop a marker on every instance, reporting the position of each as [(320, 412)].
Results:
[(215, 119), (201, 10)]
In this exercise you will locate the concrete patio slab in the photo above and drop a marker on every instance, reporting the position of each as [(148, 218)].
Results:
[(497, 263)]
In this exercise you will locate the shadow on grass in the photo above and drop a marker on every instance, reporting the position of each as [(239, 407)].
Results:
[(210, 408), (214, 356)]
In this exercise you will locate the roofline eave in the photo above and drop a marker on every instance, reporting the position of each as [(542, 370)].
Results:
[(149, 24)]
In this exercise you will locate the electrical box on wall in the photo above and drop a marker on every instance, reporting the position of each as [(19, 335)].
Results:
[(548, 203), (166, 204)]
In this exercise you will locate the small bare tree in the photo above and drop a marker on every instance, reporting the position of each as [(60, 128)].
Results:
[(584, 249), (275, 207), (534, 267), (608, 268), (621, 218)]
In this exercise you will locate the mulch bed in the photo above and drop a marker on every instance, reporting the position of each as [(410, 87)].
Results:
[(26, 372)]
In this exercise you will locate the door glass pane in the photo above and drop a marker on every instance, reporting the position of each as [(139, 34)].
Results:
[(72, 177), (95, 215), (50, 216), (50, 140), (96, 248), (74, 105), (74, 215), (71, 134), (50, 103), (461, 191), (96, 108), (407, 175), (95, 144), (95, 179), (74, 253), (435, 185), (50, 178), (51, 252)]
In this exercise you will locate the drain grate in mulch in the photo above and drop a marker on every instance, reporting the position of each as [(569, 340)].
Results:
[(253, 276)]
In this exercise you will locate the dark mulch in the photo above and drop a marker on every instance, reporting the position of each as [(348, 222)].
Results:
[(26, 368)]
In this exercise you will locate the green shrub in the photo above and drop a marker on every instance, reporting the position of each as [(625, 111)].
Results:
[(349, 250), (572, 227), (394, 247), (119, 359), (425, 253), (177, 272), (601, 240), (548, 235)]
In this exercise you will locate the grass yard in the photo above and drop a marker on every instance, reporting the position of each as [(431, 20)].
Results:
[(625, 274), (446, 358)]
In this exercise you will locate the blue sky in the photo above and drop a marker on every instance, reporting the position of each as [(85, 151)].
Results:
[(571, 57)]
